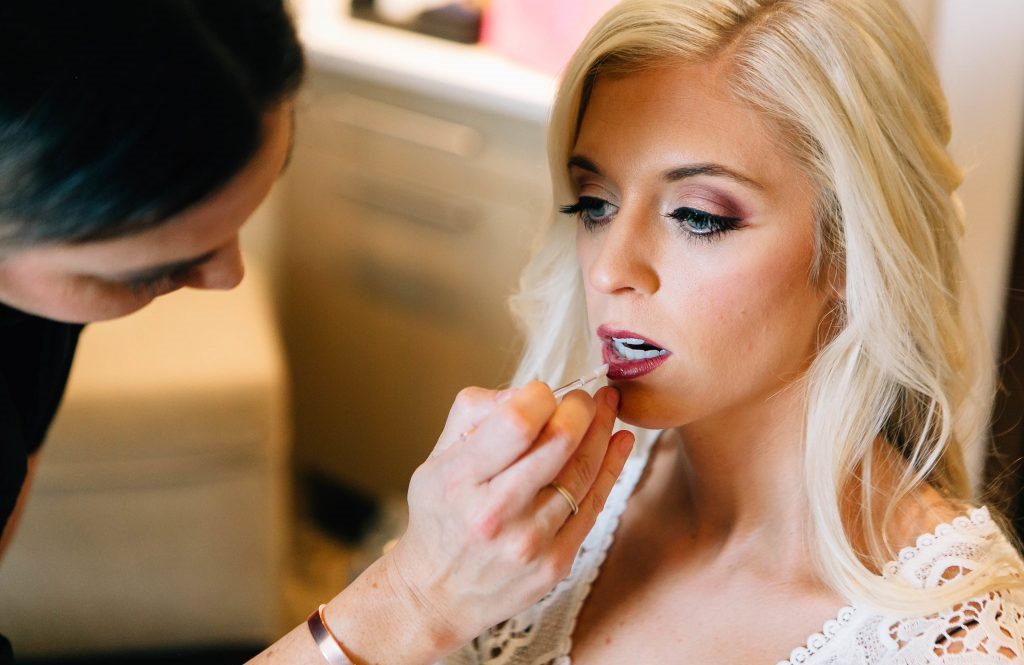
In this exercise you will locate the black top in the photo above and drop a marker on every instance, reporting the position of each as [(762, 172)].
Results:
[(35, 358)]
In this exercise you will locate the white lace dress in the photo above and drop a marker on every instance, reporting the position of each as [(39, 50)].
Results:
[(988, 629)]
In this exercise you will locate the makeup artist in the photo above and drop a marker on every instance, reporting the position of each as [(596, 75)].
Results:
[(135, 140)]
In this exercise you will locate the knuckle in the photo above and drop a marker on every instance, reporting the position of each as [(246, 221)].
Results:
[(526, 548), (468, 397), (561, 433), (518, 422), (541, 391), (581, 472), (608, 477), (487, 525), (596, 500), (584, 401), (557, 568)]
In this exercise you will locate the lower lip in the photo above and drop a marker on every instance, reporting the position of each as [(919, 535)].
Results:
[(620, 369)]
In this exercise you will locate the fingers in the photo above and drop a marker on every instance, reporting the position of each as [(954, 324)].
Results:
[(571, 535), (468, 410), (580, 471), (557, 442), (508, 432)]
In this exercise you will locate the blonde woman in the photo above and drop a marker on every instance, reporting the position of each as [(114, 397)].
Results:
[(761, 240)]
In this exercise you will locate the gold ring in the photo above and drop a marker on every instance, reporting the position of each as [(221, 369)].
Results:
[(575, 507)]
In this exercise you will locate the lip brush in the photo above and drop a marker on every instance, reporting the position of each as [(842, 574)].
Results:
[(596, 374)]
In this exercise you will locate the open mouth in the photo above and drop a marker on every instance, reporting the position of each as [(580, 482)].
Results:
[(630, 355), (634, 348)]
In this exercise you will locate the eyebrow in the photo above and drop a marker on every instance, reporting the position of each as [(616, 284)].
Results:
[(678, 173), (167, 269)]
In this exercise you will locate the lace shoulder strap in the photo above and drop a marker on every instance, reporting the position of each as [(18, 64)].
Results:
[(984, 629), (951, 550), (988, 629)]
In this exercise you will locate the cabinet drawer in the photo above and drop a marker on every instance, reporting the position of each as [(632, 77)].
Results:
[(418, 138)]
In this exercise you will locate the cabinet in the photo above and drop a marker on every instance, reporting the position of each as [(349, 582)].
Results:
[(408, 219)]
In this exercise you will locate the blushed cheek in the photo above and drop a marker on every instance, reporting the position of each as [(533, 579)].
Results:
[(761, 312)]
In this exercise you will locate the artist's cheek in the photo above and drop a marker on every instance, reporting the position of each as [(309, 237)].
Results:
[(79, 299)]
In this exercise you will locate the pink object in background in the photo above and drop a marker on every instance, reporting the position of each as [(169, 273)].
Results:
[(542, 34)]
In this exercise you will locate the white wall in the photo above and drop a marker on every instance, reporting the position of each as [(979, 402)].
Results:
[(979, 52)]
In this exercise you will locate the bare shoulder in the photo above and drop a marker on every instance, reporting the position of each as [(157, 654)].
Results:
[(923, 512)]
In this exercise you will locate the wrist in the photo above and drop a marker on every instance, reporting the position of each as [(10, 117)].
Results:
[(423, 606), (380, 619)]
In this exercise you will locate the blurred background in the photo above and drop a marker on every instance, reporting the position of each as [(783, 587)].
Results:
[(224, 462)]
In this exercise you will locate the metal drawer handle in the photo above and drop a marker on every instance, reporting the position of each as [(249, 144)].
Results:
[(405, 125)]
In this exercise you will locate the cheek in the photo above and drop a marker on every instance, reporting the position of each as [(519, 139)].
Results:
[(65, 297), (762, 315), (585, 252)]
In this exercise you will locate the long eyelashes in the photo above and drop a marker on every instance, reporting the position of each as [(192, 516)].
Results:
[(703, 224), (591, 211), (698, 224)]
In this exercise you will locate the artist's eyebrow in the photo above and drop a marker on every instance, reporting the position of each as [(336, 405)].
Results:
[(177, 267), (678, 173)]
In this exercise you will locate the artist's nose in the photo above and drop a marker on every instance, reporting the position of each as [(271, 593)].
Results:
[(626, 257), (223, 271)]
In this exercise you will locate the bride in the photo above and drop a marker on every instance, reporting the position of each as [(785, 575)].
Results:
[(761, 240)]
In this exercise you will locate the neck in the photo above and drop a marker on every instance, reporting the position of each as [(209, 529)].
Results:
[(745, 476)]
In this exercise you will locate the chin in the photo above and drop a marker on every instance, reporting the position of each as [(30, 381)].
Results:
[(645, 408)]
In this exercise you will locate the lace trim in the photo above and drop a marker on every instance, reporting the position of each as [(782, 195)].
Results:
[(962, 524), (610, 527)]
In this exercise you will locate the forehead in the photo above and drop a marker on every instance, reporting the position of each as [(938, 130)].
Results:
[(664, 116)]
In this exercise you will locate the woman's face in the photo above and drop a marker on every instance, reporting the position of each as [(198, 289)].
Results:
[(696, 243), (196, 248)]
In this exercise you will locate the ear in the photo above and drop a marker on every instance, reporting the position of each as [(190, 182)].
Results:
[(836, 276), (832, 275)]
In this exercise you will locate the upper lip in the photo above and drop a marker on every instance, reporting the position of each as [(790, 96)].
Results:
[(607, 332)]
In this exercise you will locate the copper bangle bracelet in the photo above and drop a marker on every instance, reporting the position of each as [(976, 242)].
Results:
[(325, 640)]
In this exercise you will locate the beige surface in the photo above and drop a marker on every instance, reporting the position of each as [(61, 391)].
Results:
[(158, 515)]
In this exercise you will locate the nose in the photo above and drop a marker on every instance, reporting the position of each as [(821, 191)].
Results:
[(223, 271), (626, 255)]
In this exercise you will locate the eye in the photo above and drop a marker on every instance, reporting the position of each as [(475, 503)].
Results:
[(703, 225), (150, 285), (592, 211)]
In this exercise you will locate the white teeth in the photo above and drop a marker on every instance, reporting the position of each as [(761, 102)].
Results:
[(623, 345)]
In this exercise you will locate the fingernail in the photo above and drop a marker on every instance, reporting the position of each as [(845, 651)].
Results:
[(611, 398), (504, 395), (626, 441)]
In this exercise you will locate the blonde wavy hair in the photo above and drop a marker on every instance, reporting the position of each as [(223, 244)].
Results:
[(851, 88)]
